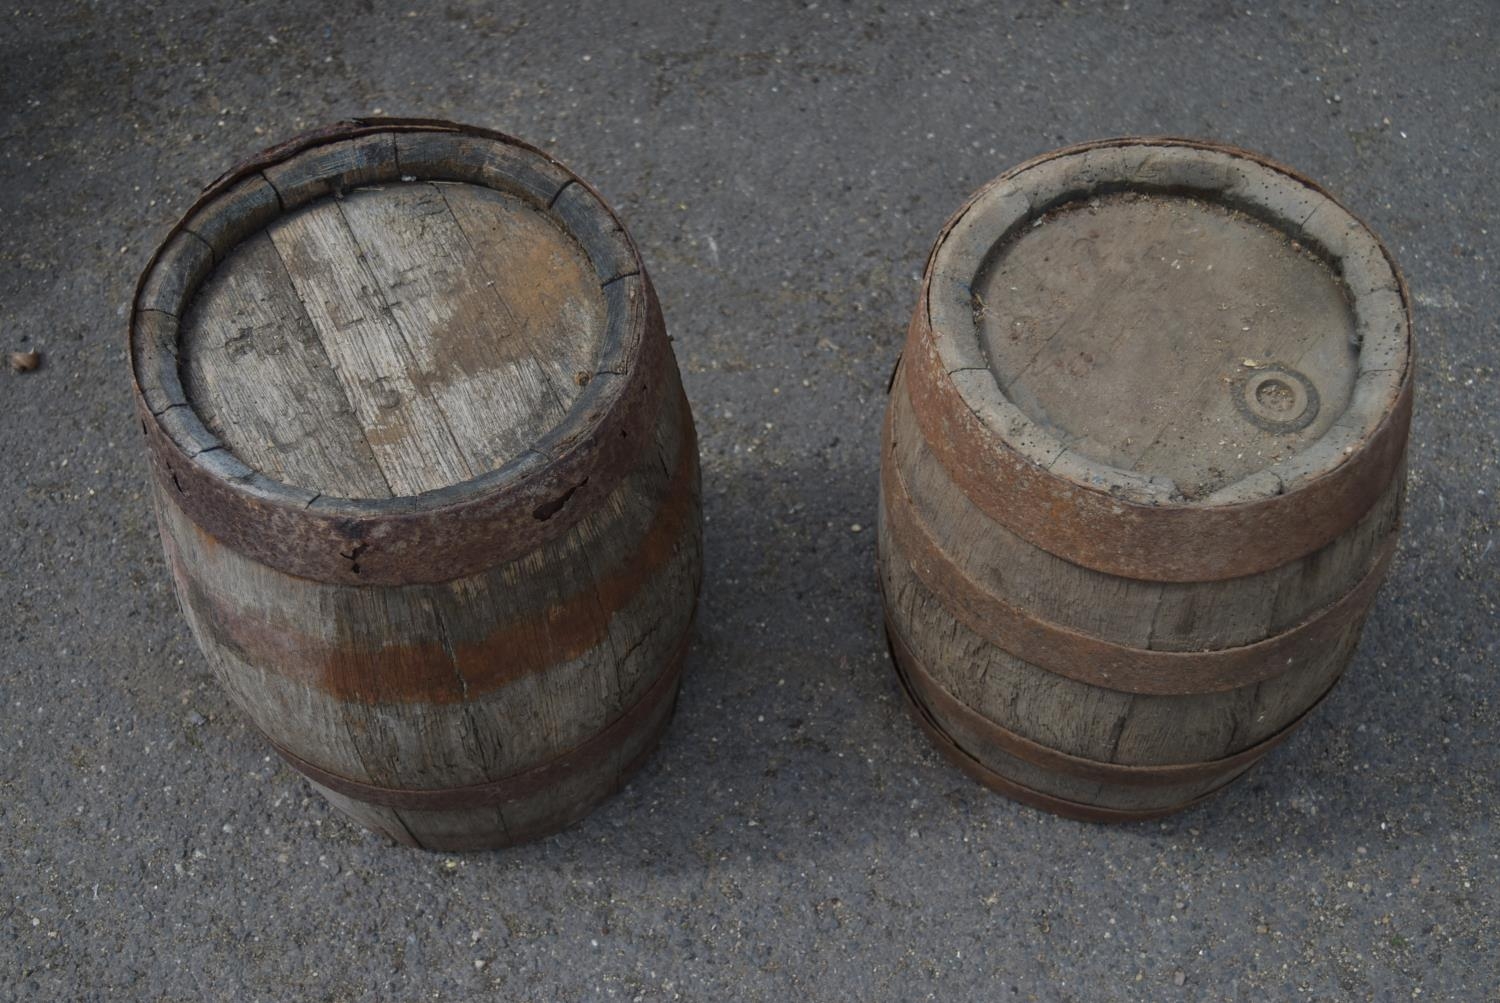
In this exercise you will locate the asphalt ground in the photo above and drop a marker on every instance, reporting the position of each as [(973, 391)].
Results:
[(784, 169)]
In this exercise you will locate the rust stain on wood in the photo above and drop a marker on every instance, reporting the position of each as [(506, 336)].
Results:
[(425, 672), (1100, 662), (588, 755)]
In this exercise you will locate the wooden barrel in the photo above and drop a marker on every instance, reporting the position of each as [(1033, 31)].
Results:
[(425, 474), (1142, 471)]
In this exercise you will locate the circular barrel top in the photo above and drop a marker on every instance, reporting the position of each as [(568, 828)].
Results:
[(1172, 322), (395, 350), (372, 329)]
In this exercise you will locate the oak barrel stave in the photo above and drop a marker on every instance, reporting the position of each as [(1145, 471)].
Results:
[(1140, 688)]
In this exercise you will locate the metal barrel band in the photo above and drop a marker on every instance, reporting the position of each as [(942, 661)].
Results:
[(528, 782), (337, 132), (1001, 784), (551, 822), (1094, 660), (353, 128), (937, 701), (440, 535), (1030, 796), (1156, 140), (1166, 543), (430, 544)]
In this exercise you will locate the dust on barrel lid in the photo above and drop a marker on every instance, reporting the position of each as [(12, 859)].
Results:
[(395, 351), (1164, 359)]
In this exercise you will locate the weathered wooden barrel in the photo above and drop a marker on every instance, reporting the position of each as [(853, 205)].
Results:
[(425, 474), (1142, 471)]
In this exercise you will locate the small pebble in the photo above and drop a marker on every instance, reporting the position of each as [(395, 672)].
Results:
[(25, 362)]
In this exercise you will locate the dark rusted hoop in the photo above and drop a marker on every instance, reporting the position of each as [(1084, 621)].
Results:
[(903, 659), (422, 674), (1164, 543), (544, 776), (1157, 541), (1103, 663), (438, 535), (942, 704)]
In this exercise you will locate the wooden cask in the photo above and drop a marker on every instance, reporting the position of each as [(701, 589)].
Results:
[(1142, 471), (425, 474)]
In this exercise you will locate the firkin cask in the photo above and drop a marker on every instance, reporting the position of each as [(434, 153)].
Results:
[(1142, 471), (425, 475)]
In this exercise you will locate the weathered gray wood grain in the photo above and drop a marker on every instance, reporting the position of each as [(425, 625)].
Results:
[(260, 379), (406, 428), (454, 324), (1089, 721), (475, 356)]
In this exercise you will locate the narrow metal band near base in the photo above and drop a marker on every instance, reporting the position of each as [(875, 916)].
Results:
[(926, 699), (528, 782)]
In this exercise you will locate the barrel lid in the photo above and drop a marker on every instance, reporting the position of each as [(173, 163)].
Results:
[(392, 313), (408, 339), (1170, 321)]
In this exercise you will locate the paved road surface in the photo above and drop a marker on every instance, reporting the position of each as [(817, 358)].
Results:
[(784, 168)]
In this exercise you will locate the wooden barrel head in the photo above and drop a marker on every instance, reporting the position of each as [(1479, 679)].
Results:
[(367, 348), (1171, 320), (397, 338), (1163, 359)]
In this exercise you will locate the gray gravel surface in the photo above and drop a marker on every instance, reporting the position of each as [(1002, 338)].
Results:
[(784, 168)]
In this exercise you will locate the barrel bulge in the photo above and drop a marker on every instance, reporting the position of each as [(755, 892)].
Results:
[(426, 476), (1142, 471), (468, 681), (939, 553), (1164, 616)]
